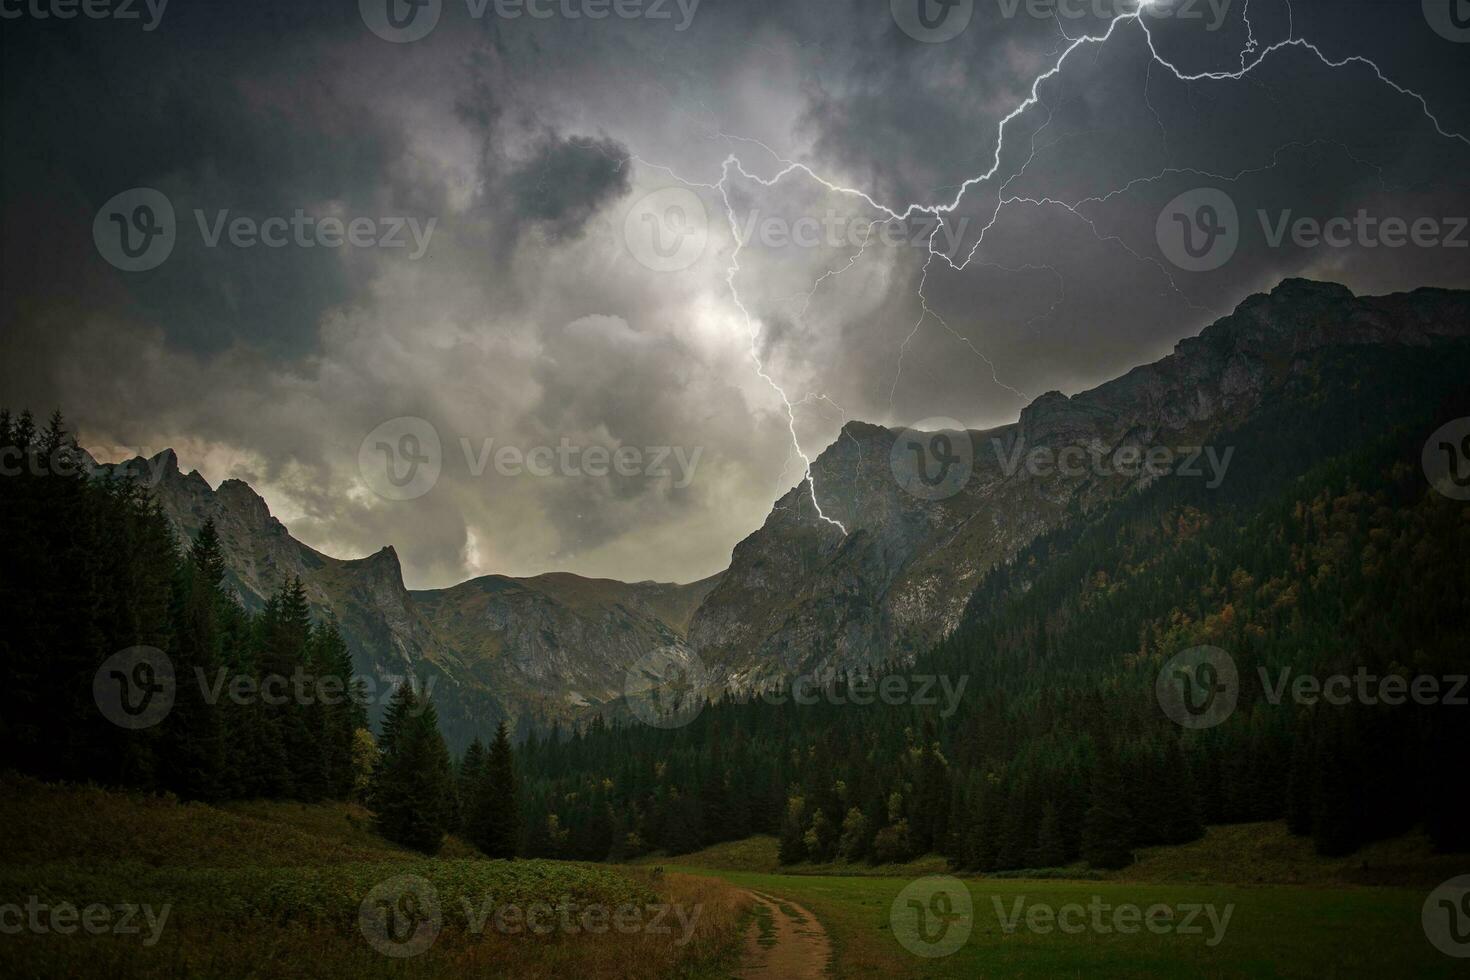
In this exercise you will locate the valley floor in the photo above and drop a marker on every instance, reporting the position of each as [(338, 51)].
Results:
[(1246, 901), (291, 890), (94, 883)]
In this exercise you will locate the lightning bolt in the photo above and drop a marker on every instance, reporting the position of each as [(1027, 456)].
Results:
[(1251, 57)]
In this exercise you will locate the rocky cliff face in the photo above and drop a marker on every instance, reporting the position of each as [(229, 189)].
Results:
[(525, 650), (559, 642), (800, 595)]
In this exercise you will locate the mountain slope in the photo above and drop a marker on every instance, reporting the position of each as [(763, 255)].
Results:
[(800, 595), (529, 651), (559, 641)]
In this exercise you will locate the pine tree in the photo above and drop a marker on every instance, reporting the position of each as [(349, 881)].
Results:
[(468, 786), (853, 842), (1050, 852), (1107, 827), (498, 820), (793, 845), (413, 780), (195, 733), (342, 711)]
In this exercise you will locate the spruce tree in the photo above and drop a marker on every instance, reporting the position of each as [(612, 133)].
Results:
[(499, 829), (1107, 827), (413, 781), (468, 787), (1050, 852)]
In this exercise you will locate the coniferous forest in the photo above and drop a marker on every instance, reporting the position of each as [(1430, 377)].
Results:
[(264, 705), (1324, 552)]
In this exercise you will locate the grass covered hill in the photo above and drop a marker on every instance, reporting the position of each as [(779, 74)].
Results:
[(278, 889)]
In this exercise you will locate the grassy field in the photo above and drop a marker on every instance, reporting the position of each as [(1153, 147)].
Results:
[(1287, 931), (278, 889), (1239, 854), (1291, 913), (287, 890)]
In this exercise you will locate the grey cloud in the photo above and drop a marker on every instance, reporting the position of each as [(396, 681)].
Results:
[(528, 321), (567, 180)]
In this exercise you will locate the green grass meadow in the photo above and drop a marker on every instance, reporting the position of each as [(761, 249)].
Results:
[(1275, 930), (1294, 914)]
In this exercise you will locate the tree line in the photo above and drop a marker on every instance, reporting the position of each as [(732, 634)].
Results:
[(93, 568), (1325, 551)]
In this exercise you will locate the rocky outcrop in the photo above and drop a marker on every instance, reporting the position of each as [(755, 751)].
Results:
[(802, 595), (559, 642), (529, 651)]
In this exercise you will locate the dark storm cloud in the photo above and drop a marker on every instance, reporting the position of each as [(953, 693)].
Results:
[(566, 181), (527, 320), (201, 109)]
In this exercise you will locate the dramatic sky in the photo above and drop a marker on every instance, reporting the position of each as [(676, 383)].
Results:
[(539, 308)]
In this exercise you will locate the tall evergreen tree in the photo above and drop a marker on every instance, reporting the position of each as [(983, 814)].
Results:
[(498, 825), (413, 782), (1107, 829)]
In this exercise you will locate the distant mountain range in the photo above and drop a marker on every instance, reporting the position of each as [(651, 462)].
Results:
[(800, 594)]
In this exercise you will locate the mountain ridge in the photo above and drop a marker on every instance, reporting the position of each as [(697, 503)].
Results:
[(799, 595)]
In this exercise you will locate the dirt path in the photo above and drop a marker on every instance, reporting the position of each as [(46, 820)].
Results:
[(785, 941)]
